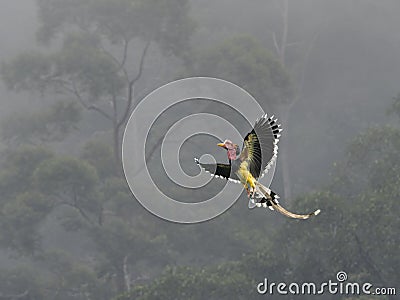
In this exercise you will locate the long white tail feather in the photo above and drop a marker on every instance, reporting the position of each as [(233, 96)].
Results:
[(272, 197)]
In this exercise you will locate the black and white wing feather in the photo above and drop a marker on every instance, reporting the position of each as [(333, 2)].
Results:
[(219, 170), (260, 146)]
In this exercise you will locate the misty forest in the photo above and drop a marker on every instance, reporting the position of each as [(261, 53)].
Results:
[(72, 71)]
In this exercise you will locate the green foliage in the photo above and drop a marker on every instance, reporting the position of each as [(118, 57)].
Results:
[(359, 216), (247, 63), (356, 232), (68, 280), (395, 107), (376, 203), (99, 155), (67, 176), (165, 22), (16, 174), (83, 61), (72, 182), (52, 124), (21, 283), (372, 153), (37, 183), (226, 257), (26, 71), (33, 182), (312, 251), (93, 56), (54, 14), (231, 280), (20, 219), (71, 280), (191, 283)]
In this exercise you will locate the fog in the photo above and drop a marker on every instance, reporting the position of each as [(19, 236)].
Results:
[(74, 71)]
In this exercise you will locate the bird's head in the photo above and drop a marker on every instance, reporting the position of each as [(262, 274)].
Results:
[(231, 148)]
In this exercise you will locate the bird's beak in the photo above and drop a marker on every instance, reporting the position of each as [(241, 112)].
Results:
[(221, 145)]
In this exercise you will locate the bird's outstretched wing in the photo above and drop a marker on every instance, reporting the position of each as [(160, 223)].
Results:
[(219, 170), (260, 146)]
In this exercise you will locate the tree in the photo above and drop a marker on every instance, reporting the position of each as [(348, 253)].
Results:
[(297, 70), (357, 232), (20, 284), (97, 57), (50, 125), (247, 63), (244, 61), (357, 227), (98, 41), (92, 201)]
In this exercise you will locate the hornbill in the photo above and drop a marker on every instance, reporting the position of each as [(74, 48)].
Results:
[(259, 153)]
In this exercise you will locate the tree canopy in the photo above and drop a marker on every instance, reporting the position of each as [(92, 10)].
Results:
[(70, 228), (96, 56)]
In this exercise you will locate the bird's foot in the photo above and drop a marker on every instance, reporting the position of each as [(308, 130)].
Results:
[(250, 188), (254, 193), (251, 192), (248, 192)]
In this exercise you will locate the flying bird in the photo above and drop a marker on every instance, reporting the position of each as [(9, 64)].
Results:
[(259, 153)]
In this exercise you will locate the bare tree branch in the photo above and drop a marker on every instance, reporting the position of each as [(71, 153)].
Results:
[(70, 87), (125, 54), (115, 109), (139, 74), (89, 106), (127, 276), (275, 43), (285, 14), (77, 208), (130, 87), (81, 212), (102, 112), (307, 55), (121, 64)]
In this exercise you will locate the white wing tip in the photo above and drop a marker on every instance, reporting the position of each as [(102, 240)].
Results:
[(317, 212)]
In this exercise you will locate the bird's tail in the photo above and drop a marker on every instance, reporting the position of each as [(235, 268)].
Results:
[(270, 200)]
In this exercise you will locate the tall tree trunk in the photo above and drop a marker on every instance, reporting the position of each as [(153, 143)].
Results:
[(132, 102), (284, 155), (120, 282), (281, 46), (127, 276), (284, 109), (116, 146)]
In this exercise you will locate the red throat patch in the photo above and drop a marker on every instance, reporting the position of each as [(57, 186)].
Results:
[(232, 154)]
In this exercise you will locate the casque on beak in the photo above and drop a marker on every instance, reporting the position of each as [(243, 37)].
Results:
[(221, 145)]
